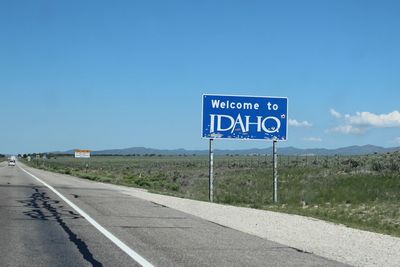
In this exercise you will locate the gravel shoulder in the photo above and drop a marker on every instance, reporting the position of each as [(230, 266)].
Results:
[(329, 240), (334, 241)]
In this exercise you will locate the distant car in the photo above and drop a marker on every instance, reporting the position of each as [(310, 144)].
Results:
[(11, 163)]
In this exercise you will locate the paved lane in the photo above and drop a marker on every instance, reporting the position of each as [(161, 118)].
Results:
[(40, 229), (37, 229)]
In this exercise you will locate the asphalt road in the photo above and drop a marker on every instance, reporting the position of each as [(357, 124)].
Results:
[(37, 228)]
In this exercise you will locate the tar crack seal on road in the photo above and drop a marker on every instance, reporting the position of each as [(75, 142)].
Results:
[(42, 208)]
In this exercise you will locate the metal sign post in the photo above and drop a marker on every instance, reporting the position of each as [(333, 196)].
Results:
[(211, 173), (275, 172), (244, 118)]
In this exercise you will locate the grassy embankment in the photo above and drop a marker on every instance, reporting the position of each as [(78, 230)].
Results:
[(361, 192)]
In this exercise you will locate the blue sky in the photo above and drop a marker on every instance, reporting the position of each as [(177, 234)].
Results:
[(113, 74)]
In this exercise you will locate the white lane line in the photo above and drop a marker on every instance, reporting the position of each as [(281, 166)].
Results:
[(135, 256)]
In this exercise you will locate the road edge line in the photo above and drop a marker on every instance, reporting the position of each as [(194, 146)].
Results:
[(130, 252)]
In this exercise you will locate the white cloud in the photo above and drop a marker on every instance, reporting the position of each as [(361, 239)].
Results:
[(295, 123), (361, 121), (313, 139), (335, 114), (366, 119), (347, 129), (397, 140)]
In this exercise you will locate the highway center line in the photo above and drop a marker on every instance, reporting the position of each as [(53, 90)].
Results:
[(135, 256)]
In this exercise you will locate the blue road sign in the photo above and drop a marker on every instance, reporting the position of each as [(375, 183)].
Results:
[(244, 117)]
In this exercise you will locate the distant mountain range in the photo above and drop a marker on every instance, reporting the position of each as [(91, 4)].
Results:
[(350, 150)]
